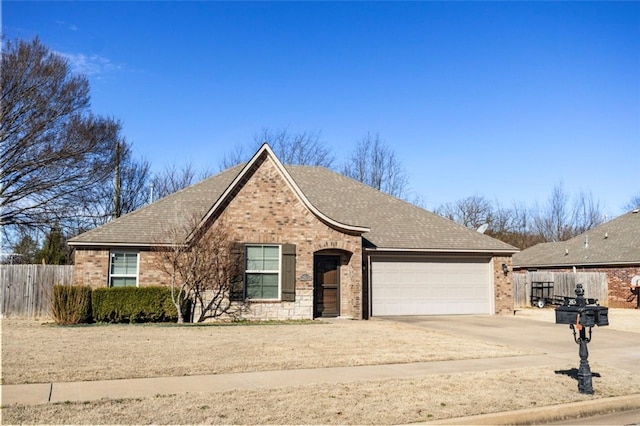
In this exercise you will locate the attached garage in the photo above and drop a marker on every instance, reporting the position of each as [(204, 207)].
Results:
[(431, 286)]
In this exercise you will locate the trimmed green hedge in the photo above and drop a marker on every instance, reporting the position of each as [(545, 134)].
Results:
[(71, 304), (133, 304)]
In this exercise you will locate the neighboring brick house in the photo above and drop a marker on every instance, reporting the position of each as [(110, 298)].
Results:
[(352, 250), (612, 248)]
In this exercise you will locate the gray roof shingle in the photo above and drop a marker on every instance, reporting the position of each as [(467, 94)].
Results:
[(616, 242), (393, 223)]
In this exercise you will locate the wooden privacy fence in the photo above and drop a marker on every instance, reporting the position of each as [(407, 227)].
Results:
[(26, 289), (564, 285)]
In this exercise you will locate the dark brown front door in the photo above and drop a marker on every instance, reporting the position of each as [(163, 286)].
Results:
[(327, 286)]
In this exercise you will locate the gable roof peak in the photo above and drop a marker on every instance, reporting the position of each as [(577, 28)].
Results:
[(266, 151)]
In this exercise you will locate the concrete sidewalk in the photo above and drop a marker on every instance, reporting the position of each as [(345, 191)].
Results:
[(43, 393), (32, 394)]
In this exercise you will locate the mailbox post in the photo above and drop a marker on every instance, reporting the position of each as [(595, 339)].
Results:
[(580, 315)]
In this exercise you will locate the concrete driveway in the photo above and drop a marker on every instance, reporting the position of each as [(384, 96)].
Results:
[(610, 347)]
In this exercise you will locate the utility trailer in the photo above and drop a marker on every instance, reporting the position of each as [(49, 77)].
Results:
[(542, 294)]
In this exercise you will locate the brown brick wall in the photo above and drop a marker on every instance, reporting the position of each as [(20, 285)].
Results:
[(619, 279), (149, 274), (266, 210), (91, 267), (503, 285)]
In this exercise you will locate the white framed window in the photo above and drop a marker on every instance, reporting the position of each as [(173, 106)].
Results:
[(262, 273), (123, 269)]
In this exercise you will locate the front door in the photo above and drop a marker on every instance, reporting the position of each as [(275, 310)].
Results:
[(326, 286)]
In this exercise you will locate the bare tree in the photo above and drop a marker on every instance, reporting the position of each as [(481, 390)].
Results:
[(374, 163), (558, 220), (173, 179), (304, 148), (237, 155), (124, 192), (587, 213), (52, 149), (633, 203), (553, 220), (471, 212), (201, 264)]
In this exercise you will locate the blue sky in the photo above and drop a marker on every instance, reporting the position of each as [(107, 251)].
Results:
[(499, 99)]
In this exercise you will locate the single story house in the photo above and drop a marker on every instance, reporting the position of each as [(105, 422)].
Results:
[(612, 248), (351, 251)]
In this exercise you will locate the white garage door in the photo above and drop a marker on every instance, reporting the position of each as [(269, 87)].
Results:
[(433, 286)]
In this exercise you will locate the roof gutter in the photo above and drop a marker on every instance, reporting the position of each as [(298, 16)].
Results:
[(578, 265), (441, 250), (111, 244)]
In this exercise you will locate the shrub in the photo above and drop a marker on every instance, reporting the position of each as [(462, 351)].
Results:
[(133, 304), (71, 304)]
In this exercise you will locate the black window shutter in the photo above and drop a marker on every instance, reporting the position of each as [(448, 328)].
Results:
[(236, 286), (288, 272)]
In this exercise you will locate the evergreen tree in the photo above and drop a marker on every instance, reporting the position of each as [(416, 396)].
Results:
[(24, 251), (54, 249)]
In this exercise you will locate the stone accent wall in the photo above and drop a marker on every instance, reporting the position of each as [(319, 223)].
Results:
[(503, 285)]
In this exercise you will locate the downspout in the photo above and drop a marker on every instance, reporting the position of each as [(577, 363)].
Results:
[(369, 303)]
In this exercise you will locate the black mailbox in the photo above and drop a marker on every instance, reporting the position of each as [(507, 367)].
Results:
[(582, 314), (588, 317), (566, 314), (602, 316)]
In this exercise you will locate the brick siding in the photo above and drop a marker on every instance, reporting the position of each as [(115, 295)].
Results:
[(503, 285), (266, 210)]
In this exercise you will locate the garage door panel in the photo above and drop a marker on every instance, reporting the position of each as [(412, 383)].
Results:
[(430, 286)]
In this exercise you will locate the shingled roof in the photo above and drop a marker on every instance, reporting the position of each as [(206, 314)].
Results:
[(616, 242), (387, 222)]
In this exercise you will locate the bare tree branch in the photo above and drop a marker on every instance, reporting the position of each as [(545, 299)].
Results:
[(201, 270), (52, 150), (304, 148), (173, 179), (375, 164)]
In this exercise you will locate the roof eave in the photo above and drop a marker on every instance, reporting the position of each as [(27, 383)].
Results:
[(577, 265), (441, 250), (117, 244)]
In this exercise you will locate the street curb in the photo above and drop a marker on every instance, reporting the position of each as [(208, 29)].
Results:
[(548, 413)]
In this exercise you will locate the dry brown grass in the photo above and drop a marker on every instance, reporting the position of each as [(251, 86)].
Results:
[(37, 352), (371, 402), (33, 352)]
